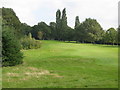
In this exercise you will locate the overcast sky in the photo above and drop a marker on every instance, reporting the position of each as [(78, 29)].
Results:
[(34, 11)]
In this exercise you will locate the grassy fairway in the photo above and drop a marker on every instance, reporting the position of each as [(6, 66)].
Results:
[(66, 65)]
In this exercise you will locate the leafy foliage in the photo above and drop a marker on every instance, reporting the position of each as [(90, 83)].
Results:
[(77, 22), (110, 36), (89, 31), (25, 29), (53, 31), (30, 43), (43, 28), (11, 54), (10, 19), (58, 25), (10, 49)]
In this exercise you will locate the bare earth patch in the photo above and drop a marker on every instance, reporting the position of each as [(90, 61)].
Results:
[(37, 73), (13, 74), (30, 72)]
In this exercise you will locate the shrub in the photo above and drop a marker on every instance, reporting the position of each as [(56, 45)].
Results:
[(30, 43), (11, 54)]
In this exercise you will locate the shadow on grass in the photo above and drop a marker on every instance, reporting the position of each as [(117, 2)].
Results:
[(101, 45), (110, 46)]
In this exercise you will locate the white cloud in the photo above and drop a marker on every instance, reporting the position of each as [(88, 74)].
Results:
[(34, 11)]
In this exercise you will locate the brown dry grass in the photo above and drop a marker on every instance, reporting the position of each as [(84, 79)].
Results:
[(13, 74)]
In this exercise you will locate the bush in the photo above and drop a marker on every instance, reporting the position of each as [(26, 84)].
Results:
[(11, 54), (30, 43)]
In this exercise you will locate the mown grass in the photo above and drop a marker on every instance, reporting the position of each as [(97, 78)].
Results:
[(65, 65)]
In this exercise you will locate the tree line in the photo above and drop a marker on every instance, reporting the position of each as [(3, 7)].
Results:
[(88, 31), (17, 35)]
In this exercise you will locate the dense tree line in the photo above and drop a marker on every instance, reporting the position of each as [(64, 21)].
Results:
[(88, 31), (17, 35)]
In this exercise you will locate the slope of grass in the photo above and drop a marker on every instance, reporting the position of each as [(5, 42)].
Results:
[(65, 65)]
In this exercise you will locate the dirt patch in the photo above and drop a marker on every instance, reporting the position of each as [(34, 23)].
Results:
[(13, 74), (31, 72), (44, 72)]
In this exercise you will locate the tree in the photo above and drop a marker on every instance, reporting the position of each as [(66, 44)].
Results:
[(61, 25), (25, 29), (81, 33), (77, 22), (10, 48), (70, 34), (111, 35), (102, 39), (58, 25), (64, 25), (89, 31), (10, 19), (53, 30), (43, 28)]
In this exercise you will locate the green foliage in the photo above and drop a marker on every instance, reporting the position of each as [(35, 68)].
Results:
[(110, 36), (89, 31), (53, 30), (70, 34), (58, 24), (30, 43), (10, 48), (9, 19), (61, 25), (64, 26), (43, 28), (77, 22), (25, 29)]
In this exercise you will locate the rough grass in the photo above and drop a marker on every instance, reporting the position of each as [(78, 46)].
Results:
[(65, 65)]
